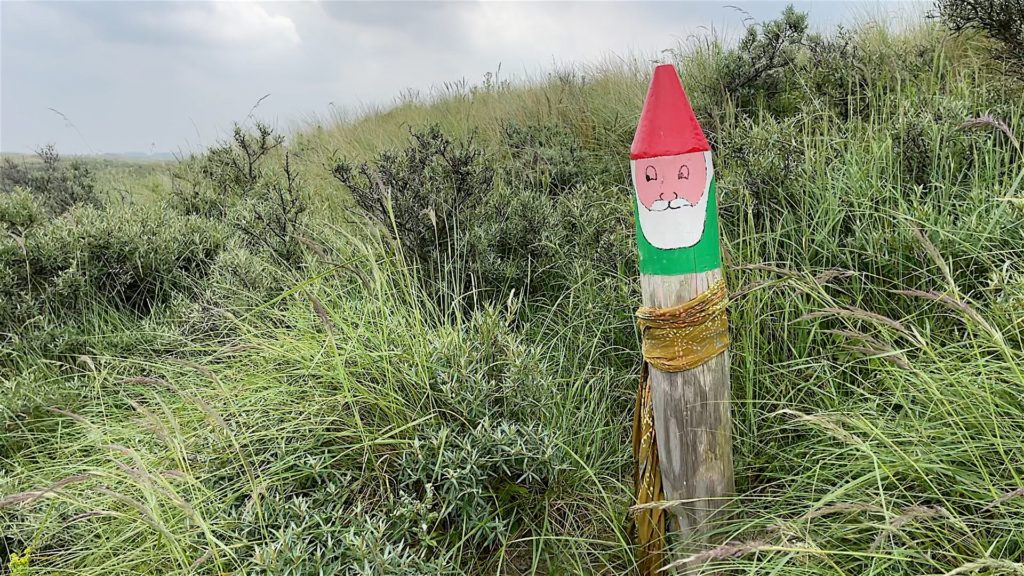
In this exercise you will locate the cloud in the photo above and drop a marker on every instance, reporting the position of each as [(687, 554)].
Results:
[(571, 30), (426, 23), (141, 75), (227, 24), (236, 24)]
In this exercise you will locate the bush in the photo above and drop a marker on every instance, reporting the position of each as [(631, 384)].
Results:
[(527, 241), (524, 233), (834, 72), (757, 71), (423, 195), (310, 539), (1002, 20), (543, 157), (19, 211), (210, 185), (240, 278), (236, 182), (273, 217), (780, 69), (130, 259), (57, 184), (510, 239), (762, 159)]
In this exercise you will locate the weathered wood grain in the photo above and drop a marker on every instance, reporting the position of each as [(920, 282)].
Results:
[(692, 422)]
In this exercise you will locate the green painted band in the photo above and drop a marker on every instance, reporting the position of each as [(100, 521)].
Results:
[(703, 256)]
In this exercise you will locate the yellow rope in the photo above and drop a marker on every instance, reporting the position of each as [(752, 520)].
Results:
[(674, 339)]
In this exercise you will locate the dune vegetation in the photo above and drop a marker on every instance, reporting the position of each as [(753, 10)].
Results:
[(404, 343)]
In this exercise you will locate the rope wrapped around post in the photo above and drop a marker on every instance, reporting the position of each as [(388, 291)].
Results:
[(673, 339)]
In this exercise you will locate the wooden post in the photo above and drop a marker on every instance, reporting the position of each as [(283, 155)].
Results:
[(678, 243)]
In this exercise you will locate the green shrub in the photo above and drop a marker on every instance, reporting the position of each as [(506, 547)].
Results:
[(1002, 20), (424, 195), (472, 475), (320, 532), (59, 185), (758, 70), (240, 278), (131, 259), (544, 157), (19, 211), (238, 182), (525, 233), (211, 184), (510, 239), (834, 72), (762, 160), (273, 218)]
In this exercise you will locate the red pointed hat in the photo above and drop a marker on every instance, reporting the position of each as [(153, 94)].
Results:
[(667, 124)]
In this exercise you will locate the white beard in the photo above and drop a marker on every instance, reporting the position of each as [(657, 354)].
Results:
[(680, 227)]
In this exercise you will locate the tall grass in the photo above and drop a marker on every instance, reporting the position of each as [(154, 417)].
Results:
[(364, 421)]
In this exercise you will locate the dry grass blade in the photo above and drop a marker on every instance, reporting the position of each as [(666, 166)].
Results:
[(205, 371), (890, 356), (86, 516), (831, 274), (873, 347), (122, 449), (146, 514), (912, 513), (199, 561), (666, 504), (858, 314), (1015, 493), (322, 255), (321, 313), (725, 551), (238, 348), (988, 120), (152, 423), (212, 415), (147, 380), (826, 423), (992, 566), (953, 304), (31, 496), (767, 268), (841, 508), (744, 290), (935, 255), (177, 474), (87, 362), (68, 414)]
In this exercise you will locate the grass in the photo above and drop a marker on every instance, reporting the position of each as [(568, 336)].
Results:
[(366, 422), (119, 179)]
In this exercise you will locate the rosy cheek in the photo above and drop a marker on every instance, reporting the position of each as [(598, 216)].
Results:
[(691, 190), (647, 192)]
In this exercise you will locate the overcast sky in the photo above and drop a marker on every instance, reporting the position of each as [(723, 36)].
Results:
[(95, 77)]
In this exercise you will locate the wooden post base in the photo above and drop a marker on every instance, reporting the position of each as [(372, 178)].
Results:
[(692, 423)]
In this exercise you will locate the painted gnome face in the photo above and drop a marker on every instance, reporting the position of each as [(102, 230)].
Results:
[(671, 165), (672, 198)]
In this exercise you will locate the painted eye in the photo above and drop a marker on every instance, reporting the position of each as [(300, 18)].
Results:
[(650, 173), (684, 172)]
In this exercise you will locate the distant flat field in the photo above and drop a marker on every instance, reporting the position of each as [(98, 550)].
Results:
[(142, 178)]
